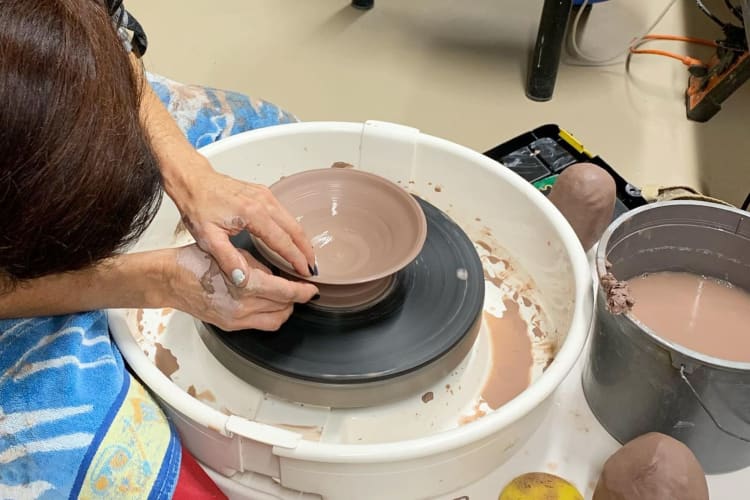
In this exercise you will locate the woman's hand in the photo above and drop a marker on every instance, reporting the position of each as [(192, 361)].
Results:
[(196, 285), (184, 278), (215, 206)]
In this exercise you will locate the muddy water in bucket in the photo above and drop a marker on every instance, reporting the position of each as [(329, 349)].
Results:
[(704, 314), (636, 381)]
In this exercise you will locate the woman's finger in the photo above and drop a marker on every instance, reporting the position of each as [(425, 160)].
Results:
[(269, 322), (278, 240), (253, 262), (229, 258), (260, 306), (289, 224), (278, 289)]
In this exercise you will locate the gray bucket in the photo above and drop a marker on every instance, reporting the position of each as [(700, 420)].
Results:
[(636, 382)]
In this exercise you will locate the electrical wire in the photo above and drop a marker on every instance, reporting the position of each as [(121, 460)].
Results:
[(679, 38), (705, 10), (737, 11), (686, 60), (588, 60)]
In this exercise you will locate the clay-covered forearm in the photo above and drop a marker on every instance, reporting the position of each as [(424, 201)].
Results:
[(125, 281), (178, 159)]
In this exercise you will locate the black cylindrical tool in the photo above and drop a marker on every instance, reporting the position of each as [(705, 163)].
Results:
[(549, 43), (363, 4)]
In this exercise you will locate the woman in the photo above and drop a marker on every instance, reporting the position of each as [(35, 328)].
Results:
[(86, 146)]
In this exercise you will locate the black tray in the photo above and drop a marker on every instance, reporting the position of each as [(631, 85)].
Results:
[(541, 155)]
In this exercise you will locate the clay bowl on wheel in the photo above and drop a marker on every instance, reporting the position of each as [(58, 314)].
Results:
[(363, 228)]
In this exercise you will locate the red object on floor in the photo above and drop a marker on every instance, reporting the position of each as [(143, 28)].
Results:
[(193, 482)]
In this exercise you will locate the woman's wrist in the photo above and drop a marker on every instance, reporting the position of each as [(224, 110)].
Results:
[(138, 280), (181, 172)]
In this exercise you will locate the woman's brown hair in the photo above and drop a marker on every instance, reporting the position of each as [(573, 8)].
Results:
[(78, 177)]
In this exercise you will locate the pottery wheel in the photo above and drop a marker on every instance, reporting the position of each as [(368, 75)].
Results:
[(420, 332)]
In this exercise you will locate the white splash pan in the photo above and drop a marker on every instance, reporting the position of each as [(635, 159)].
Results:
[(407, 449)]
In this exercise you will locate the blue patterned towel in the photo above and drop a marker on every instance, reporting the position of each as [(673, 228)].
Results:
[(73, 422)]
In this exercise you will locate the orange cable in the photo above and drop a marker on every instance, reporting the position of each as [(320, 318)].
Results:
[(687, 39), (686, 60)]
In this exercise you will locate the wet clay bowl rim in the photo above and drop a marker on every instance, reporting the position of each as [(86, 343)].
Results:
[(395, 227)]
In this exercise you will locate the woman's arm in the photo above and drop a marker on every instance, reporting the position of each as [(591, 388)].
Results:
[(216, 206), (131, 280), (178, 159), (184, 278)]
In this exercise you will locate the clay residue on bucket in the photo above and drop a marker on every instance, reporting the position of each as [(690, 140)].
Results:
[(139, 321), (511, 361), (342, 164), (619, 298), (476, 414), (165, 361), (135, 317), (484, 245), (494, 276), (517, 329), (496, 264), (308, 432), (511, 356), (203, 396)]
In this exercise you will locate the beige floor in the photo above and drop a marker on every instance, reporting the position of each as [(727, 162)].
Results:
[(455, 68)]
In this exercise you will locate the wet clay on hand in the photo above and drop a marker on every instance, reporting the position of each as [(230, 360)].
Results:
[(652, 467), (585, 194)]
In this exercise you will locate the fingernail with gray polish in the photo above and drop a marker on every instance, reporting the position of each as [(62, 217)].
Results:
[(315, 269), (238, 277), (316, 296)]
